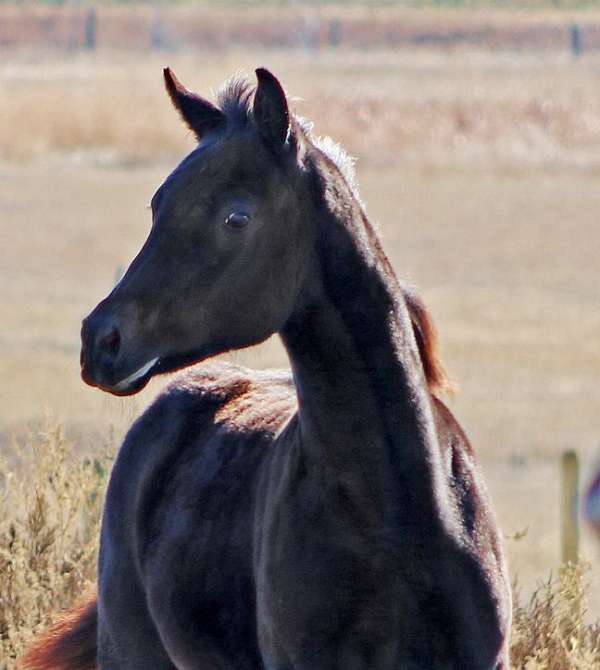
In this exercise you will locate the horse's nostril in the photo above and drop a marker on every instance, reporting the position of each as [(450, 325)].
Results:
[(110, 343)]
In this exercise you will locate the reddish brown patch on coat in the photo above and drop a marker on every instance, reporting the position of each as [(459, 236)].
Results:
[(427, 342), (249, 401)]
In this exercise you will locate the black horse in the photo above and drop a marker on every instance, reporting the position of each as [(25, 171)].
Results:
[(332, 519)]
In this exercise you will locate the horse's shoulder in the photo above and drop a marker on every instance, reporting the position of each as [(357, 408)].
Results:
[(201, 408), (466, 482), (237, 399), (219, 395), (450, 433)]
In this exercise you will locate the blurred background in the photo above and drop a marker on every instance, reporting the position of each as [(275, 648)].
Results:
[(476, 126)]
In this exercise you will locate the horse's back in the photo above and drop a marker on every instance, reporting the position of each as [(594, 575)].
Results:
[(177, 530)]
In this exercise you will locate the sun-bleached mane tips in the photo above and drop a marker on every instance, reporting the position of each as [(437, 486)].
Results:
[(336, 153)]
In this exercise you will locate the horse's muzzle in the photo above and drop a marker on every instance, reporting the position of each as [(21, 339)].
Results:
[(100, 346)]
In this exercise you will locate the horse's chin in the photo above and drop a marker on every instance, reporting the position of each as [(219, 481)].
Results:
[(122, 392), (128, 385), (138, 380)]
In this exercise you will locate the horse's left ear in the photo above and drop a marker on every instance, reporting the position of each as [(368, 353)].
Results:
[(270, 109), (200, 115)]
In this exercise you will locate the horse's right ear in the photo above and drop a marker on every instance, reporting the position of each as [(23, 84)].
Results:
[(199, 114)]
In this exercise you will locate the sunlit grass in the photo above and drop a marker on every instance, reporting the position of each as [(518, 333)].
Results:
[(50, 505), (551, 630), (425, 107)]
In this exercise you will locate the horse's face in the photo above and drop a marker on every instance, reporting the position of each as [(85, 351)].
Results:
[(223, 262)]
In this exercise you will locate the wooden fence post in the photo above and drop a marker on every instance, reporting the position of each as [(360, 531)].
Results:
[(335, 32), (90, 29), (157, 38), (569, 507), (576, 40)]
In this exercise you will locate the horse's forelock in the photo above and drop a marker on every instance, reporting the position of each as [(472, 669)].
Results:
[(234, 99)]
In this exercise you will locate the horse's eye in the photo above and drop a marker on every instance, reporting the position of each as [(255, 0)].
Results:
[(237, 220)]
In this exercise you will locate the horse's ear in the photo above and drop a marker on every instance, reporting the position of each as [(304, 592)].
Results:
[(271, 109), (199, 114)]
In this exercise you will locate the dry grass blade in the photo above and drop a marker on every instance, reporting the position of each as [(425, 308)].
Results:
[(550, 632), (48, 534)]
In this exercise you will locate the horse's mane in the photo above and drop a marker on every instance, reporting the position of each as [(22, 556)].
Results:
[(427, 342), (235, 100)]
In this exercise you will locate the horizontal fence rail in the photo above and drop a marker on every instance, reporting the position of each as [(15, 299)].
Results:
[(146, 27)]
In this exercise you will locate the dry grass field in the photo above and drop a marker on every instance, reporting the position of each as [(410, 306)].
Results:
[(482, 170)]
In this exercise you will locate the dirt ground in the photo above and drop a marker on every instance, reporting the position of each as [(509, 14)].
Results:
[(505, 252)]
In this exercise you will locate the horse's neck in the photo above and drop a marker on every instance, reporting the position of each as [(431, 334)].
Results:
[(365, 410)]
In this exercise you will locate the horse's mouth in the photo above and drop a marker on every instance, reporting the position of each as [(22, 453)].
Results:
[(137, 380), (134, 378), (130, 384)]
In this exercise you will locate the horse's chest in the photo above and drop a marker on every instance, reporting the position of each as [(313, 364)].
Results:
[(196, 567), (200, 595), (325, 583)]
